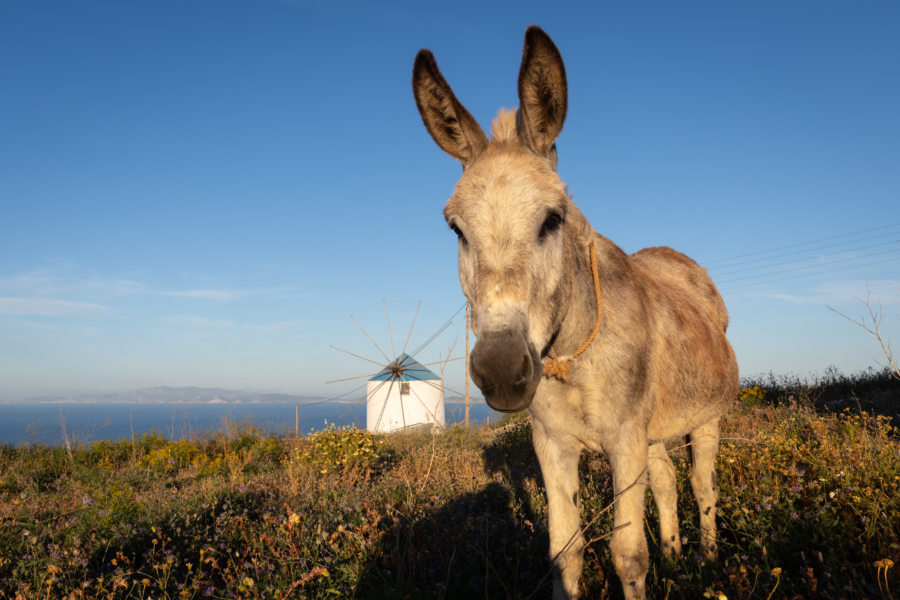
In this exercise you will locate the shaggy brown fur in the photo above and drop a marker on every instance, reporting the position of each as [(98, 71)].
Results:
[(660, 367)]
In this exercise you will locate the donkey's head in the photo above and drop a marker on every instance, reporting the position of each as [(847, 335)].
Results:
[(511, 213)]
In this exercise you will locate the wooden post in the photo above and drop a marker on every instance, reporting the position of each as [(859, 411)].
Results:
[(467, 364), (296, 420)]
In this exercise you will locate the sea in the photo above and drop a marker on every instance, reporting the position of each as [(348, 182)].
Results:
[(81, 423)]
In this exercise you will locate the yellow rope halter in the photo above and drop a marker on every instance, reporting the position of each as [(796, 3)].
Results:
[(559, 368)]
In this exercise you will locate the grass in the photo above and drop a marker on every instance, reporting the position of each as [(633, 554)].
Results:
[(809, 508)]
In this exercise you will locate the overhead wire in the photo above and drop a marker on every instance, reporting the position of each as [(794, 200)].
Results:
[(807, 267), (804, 275), (799, 244), (807, 259), (803, 258)]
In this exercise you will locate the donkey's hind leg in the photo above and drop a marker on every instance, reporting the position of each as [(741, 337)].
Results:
[(704, 446), (662, 482)]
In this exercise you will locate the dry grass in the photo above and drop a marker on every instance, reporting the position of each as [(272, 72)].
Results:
[(810, 508)]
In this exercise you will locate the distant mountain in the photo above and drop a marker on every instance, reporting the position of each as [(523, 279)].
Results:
[(168, 394)]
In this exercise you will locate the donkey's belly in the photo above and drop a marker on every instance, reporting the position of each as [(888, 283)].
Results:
[(668, 425), (683, 404)]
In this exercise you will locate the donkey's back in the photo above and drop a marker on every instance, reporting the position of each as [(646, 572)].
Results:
[(674, 267)]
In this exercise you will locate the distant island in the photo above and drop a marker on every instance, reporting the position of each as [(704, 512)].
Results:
[(174, 395), (194, 395)]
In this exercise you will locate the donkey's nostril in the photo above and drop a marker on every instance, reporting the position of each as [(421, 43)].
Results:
[(524, 372), (504, 367)]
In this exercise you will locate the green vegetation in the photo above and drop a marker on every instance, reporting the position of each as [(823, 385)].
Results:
[(809, 508)]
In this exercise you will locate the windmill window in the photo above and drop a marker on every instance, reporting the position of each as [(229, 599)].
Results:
[(404, 389)]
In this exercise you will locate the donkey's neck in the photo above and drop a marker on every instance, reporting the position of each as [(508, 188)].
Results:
[(580, 297)]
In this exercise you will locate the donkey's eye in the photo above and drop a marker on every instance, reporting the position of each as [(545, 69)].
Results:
[(458, 233), (551, 223)]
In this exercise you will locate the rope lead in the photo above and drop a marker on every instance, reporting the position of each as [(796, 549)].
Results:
[(559, 367)]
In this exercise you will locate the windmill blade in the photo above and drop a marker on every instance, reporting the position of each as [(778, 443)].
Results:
[(334, 398), (363, 399), (374, 362), (438, 332), (433, 337), (390, 335), (442, 362), (402, 410), (370, 339), (402, 370), (384, 406), (352, 378), (433, 384), (408, 335), (431, 413)]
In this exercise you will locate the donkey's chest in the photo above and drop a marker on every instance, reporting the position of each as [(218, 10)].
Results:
[(560, 411)]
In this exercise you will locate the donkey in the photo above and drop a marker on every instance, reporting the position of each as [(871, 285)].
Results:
[(608, 351)]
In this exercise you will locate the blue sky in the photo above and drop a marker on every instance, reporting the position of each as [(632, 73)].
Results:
[(203, 192)]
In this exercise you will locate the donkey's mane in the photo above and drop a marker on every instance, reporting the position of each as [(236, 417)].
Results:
[(503, 128)]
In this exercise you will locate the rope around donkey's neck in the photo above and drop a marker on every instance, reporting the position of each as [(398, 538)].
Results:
[(559, 367)]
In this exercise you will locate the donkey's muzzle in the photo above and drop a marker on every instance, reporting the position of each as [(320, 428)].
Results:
[(506, 368)]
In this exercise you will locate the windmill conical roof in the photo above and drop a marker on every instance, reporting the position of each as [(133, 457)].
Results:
[(412, 370)]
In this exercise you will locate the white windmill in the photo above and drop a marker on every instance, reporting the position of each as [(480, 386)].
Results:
[(403, 393)]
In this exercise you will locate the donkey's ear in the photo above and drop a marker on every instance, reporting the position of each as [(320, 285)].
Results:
[(543, 93), (448, 122)]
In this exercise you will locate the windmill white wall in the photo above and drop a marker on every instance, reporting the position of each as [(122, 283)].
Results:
[(407, 395)]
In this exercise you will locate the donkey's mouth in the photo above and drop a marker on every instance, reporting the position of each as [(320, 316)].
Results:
[(506, 368)]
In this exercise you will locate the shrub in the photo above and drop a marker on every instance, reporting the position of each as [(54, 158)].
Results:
[(340, 450), (752, 396)]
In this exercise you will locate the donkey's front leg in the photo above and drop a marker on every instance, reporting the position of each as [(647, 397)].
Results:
[(628, 460), (559, 466)]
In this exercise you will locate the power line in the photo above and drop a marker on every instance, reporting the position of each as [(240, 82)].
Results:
[(805, 259), (728, 288), (789, 246), (804, 251), (807, 267)]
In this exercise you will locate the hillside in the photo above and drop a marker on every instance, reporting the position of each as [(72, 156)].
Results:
[(809, 508)]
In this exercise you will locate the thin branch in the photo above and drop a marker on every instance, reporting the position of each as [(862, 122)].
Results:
[(581, 530), (872, 326)]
